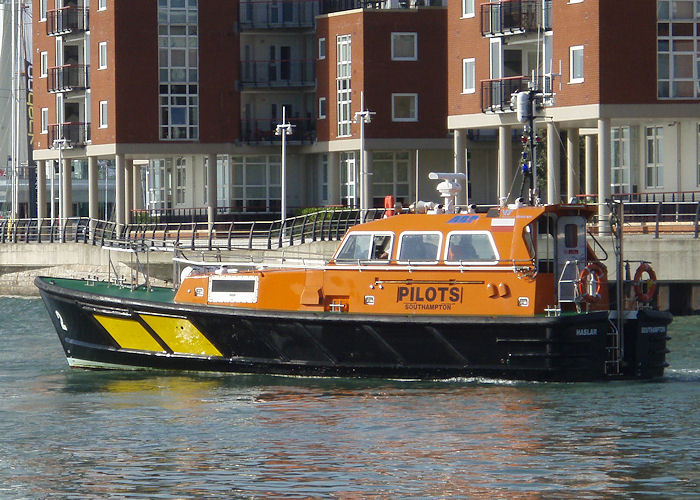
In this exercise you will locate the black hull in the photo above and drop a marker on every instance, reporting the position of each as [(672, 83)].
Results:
[(564, 348)]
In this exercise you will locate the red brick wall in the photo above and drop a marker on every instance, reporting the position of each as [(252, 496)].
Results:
[(102, 81), (325, 83), (42, 99)]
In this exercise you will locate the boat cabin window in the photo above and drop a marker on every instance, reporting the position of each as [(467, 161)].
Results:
[(471, 247), (373, 247), (417, 246), (543, 230)]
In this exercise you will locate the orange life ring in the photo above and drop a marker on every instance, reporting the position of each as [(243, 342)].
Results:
[(642, 295), (595, 272)]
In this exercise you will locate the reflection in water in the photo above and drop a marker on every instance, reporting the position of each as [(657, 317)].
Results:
[(158, 435)]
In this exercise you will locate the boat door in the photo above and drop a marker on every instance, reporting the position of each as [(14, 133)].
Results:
[(570, 254)]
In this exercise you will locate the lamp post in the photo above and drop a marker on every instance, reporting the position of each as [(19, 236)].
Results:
[(363, 117), (284, 129), (59, 144)]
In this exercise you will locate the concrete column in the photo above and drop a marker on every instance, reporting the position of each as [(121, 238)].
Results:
[(211, 190), (333, 177), (591, 171), (67, 189), (128, 190), (119, 190), (460, 165), (553, 191), (137, 188), (604, 173), (505, 161), (573, 164), (368, 180), (41, 189), (93, 203)]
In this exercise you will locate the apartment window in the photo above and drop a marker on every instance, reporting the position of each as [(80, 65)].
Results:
[(102, 55), (678, 61), (391, 171), (178, 69), (467, 8), (321, 48), (404, 46), (620, 159), (321, 108), (102, 5), (576, 64), (343, 84), (348, 186), (468, 76), (42, 10), (404, 107), (103, 114), (697, 148), (256, 183), (180, 180), (575, 1), (654, 157), (44, 64), (44, 120)]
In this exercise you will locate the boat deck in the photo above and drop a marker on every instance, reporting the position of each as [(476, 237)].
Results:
[(156, 294)]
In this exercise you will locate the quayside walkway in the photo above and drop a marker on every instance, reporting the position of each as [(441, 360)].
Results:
[(665, 233)]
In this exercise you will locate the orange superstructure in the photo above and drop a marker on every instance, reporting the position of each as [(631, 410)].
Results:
[(420, 264)]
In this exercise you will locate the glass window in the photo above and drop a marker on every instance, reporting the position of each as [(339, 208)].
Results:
[(467, 8), (468, 76), (654, 157), (404, 46), (321, 108), (419, 246), (103, 114), (356, 247), (390, 171), (44, 120), (343, 85), (44, 64), (576, 64), (42, 10), (404, 107), (321, 48), (102, 55), (471, 247), (101, 4)]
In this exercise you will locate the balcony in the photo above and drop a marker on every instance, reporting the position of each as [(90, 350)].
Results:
[(278, 73), (267, 14), (330, 6), (495, 94), (262, 131), (515, 16), (78, 133), (68, 78), (70, 19)]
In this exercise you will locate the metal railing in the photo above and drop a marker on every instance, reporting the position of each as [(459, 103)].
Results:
[(78, 133), (515, 16), (68, 77), (256, 14), (71, 19), (262, 130), (496, 93), (327, 225), (264, 73)]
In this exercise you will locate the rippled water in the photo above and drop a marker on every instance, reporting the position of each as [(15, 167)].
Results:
[(97, 434)]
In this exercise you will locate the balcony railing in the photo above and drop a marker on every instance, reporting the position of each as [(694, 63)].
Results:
[(330, 6), (496, 94), (278, 73), (257, 14), (67, 20), (262, 130), (515, 16), (78, 133), (68, 77)]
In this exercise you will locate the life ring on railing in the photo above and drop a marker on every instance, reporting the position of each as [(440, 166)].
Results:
[(593, 272), (643, 295)]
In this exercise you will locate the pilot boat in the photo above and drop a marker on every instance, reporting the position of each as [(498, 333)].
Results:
[(508, 292)]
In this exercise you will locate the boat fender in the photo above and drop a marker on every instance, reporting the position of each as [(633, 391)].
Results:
[(643, 295), (592, 272)]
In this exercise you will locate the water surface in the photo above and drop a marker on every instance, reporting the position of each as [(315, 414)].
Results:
[(69, 433)]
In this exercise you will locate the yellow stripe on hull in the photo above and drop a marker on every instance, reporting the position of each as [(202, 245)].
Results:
[(129, 333), (181, 335)]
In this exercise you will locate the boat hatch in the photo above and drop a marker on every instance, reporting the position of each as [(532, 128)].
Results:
[(231, 289)]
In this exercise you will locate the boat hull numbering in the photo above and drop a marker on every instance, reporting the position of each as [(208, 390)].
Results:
[(101, 325)]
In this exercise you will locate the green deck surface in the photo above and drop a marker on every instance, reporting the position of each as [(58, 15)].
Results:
[(157, 294)]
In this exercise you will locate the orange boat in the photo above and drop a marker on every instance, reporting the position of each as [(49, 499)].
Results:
[(511, 292)]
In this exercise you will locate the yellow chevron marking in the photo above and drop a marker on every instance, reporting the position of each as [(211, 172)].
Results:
[(129, 333), (181, 335)]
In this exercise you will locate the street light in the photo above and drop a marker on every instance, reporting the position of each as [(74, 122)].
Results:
[(61, 143), (363, 117), (284, 129)]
